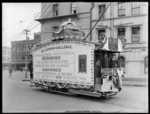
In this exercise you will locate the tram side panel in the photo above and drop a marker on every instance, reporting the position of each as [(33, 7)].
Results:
[(65, 62)]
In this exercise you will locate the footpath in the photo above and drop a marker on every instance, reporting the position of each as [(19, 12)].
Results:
[(20, 76), (135, 82)]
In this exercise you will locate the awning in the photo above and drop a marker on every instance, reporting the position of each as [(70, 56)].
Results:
[(113, 44), (102, 27)]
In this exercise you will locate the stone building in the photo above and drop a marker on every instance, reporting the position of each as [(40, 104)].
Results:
[(54, 14), (124, 20), (6, 54), (18, 51)]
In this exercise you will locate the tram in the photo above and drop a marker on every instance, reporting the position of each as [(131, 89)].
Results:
[(67, 63)]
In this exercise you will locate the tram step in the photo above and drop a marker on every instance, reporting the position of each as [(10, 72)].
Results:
[(111, 94), (81, 92)]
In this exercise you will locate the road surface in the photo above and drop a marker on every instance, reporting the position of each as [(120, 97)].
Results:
[(18, 96)]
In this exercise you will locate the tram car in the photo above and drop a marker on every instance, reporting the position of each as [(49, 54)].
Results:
[(67, 63)]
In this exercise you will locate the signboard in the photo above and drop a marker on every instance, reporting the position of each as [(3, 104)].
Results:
[(65, 62)]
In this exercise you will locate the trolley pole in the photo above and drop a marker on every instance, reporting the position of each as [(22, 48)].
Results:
[(26, 32)]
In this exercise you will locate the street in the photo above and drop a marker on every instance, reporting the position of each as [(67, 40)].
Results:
[(18, 96)]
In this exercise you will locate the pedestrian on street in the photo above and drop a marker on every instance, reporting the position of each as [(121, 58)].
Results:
[(31, 71), (10, 71)]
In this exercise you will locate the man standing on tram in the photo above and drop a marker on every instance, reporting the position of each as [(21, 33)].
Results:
[(115, 64)]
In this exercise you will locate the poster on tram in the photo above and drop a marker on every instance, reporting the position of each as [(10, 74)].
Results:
[(65, 62)]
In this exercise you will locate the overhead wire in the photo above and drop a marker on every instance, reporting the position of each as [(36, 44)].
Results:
[(97, 21), (30, 27), (14, 37), (46, 9), (33, 21), (49, 13), (32, 24), (43, 17), (19, 34)]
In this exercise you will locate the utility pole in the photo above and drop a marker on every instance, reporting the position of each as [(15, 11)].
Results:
[(26, 32)]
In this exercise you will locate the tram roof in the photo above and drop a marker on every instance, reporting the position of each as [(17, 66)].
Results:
[(98, 46)]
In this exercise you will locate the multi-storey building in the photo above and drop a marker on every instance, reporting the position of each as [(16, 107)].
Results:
[(54, 14), (18, 51), (6, 56), (124, 20)]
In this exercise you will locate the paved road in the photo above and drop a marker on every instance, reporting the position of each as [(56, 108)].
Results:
[(18, 96)]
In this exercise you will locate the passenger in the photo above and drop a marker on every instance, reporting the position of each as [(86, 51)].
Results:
[(98, 67), (105, 61), (115, 64)]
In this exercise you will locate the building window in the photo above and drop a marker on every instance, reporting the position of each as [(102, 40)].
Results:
[(135, 34), (121, 33), (100, 32), (101, 10), (121, 9), (82, 63), (135, 8), (146, 65), (55, 9), (55, 28), (74, 8), (13, 48), (8, 59), (23, 57)]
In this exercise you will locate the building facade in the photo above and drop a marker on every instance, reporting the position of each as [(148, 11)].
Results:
[(54, 14), (18, 51), (124, 20), (6, 51)]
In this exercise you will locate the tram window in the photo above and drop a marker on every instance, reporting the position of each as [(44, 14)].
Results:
[(100, 32), (82, 63)]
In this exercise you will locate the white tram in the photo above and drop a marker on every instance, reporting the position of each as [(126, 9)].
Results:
[(68, 64)]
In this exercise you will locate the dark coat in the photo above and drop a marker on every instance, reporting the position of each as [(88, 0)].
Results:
[(114, 63), (31, 66), (98, 69), (105, 63), (31, 69)]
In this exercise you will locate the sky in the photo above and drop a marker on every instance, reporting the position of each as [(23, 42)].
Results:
[(16, 17)]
